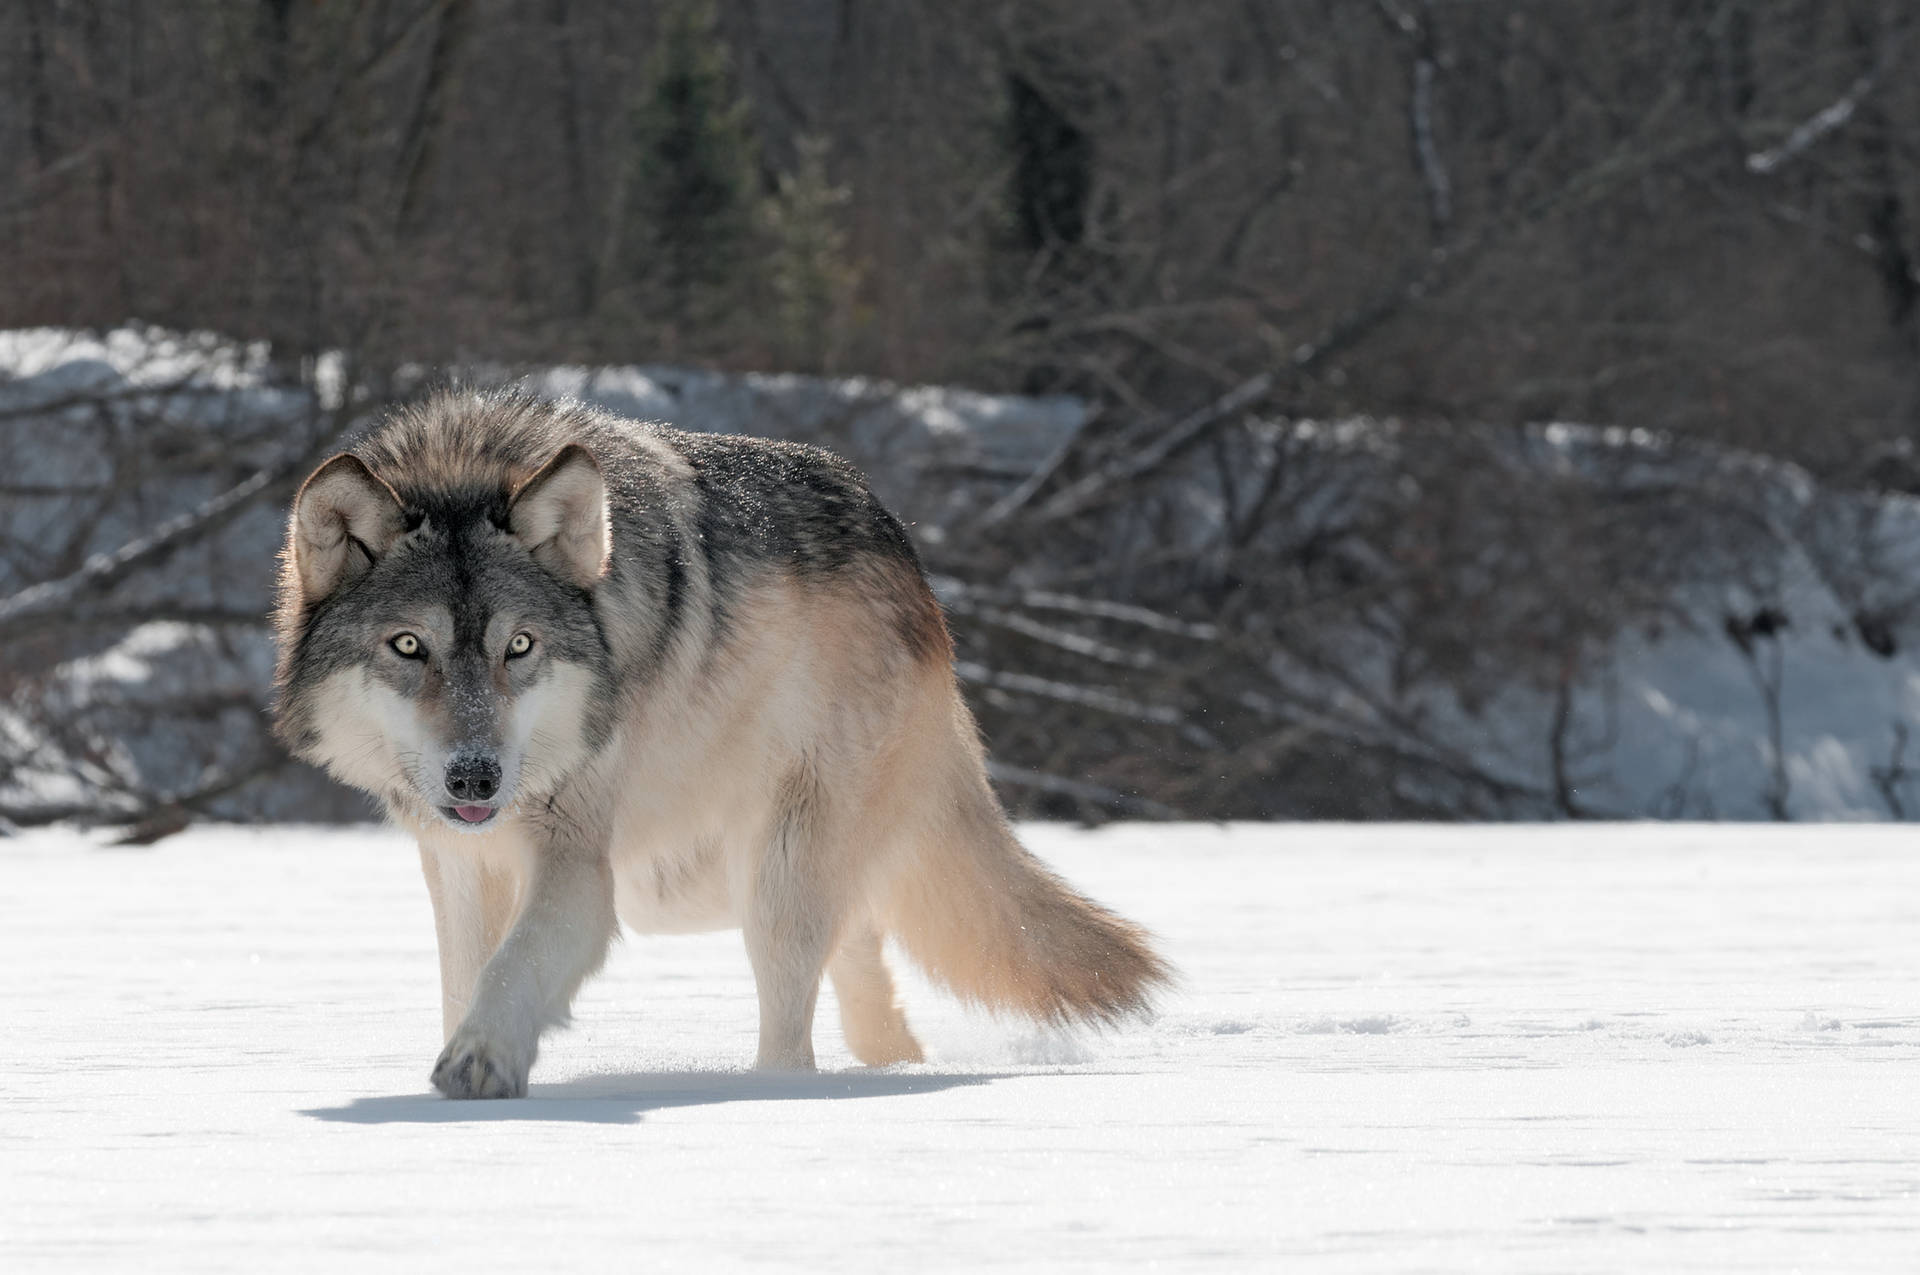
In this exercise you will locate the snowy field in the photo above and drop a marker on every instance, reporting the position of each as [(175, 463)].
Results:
[(1576, 1048)]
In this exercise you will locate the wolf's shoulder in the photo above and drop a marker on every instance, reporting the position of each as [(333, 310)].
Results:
[(784, 501), (744, 463)]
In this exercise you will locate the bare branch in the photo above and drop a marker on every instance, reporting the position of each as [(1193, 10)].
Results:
[(1808, 132), (1020, 777), (951, 590), (145, 809), (1016, 500), (1095, 486), (1100, 698), (1433, 170), (1065, 640), (42, 605)]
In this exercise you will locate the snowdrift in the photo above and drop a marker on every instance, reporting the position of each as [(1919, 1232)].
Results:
[(1356, 617)]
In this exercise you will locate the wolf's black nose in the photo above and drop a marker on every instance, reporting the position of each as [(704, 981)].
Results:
[(473, 778)]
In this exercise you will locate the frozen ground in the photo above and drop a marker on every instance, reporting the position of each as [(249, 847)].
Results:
[(1575, 1048)]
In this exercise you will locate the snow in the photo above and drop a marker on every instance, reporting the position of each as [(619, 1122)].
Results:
[(1571, 1048)]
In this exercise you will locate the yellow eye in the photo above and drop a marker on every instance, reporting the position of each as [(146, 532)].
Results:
[(407, 645), (519, 645)]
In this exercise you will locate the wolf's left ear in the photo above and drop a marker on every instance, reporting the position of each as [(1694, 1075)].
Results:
[(560, 515)]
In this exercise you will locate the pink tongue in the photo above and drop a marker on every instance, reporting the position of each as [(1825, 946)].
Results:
[(473, 814)]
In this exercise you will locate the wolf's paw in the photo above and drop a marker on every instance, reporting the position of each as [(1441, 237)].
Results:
[(472, 1066)]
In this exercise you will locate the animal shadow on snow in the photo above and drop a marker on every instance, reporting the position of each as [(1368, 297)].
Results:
[(626, 1099)]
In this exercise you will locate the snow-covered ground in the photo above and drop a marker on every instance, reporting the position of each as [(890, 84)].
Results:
[(1569, 1048)]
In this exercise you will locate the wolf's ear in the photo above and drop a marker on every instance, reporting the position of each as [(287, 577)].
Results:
[(560, 515), (344, 520)]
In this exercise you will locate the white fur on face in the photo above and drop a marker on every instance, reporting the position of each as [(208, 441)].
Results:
[(377, 739), (544, 740), (367, 734)]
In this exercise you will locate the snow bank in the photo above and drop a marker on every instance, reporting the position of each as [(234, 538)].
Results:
[(1775, 673), (1768, 665), (164, 706)]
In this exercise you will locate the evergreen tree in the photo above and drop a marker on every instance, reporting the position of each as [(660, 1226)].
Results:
[(1046, 265), (1052, 173), (813, 282), (689, 215)]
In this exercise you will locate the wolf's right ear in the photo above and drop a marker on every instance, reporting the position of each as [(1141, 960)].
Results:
[(344, 520)]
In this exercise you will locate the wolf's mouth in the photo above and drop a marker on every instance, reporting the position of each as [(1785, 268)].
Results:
[(469, 814)]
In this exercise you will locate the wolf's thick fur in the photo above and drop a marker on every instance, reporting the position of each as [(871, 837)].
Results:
[(604, 669)]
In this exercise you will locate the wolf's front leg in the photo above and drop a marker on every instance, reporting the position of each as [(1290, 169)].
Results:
[(474, 901), (565, 924)]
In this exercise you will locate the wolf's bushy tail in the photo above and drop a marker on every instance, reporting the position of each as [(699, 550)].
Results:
[(981, 915)]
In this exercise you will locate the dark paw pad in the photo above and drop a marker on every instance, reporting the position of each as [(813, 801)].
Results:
[(467, 1071)]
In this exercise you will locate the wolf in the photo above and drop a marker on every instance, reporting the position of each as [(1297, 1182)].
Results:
[(608, 671)]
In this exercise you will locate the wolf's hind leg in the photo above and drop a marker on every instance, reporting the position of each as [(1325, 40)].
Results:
[(473, 904), (791, 917), (870, 1015)]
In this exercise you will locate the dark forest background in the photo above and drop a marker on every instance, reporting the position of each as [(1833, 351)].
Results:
[(1695, 216), (1215, 222)]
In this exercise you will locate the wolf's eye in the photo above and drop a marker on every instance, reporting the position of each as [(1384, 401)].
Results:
[(519, 645), (407, 646)]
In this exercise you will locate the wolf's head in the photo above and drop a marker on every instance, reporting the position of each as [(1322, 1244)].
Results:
[(440, 648)]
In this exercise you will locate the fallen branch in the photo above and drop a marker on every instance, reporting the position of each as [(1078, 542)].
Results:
[(1017, 499), (46, 604), (1098, 698), (1809, 131), (153, 812), (1065, 640), (952, 592), (132, 616), (1094, 486), (1020, 777)]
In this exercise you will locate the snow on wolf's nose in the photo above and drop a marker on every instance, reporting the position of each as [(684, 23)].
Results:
[(473, 778)]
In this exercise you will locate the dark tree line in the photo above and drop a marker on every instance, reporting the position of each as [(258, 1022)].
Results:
[(1688, 215)]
